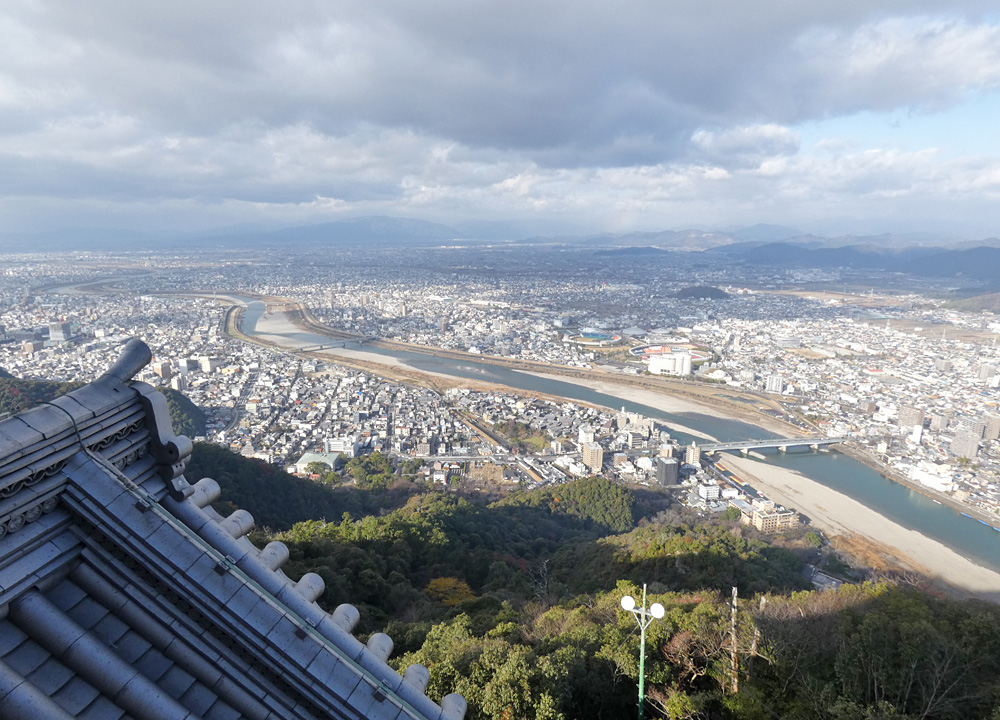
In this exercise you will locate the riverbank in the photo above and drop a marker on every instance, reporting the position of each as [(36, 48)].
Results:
[(866, 458), (277, 327), (711, 399), (672, 404), (846, 522)]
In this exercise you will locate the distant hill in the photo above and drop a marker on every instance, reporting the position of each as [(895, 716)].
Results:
[(977, 263), (704, 292), (687, 240), (977, 303), (762, 232), (981, 262), (403, 231), (377, 229), (644, 251)]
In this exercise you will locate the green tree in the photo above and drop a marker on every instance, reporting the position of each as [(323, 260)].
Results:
[(318, 468)]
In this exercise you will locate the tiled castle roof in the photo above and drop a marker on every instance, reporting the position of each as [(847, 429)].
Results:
[(123, 594)]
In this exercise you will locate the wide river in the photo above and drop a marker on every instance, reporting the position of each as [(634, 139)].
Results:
[(978, 542)]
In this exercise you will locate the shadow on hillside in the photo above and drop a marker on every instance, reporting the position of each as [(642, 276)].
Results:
[(840, 654), (679, 558)]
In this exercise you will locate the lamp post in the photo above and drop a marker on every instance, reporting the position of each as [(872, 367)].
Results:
[(644, 617)]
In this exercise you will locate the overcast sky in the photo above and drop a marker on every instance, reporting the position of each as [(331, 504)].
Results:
[(846, 116)]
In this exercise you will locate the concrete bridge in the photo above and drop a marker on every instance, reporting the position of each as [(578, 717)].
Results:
[(336, 344), (781, 444)]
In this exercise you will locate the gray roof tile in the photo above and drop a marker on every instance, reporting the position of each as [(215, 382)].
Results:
[(220, 711), (153, 664), (198, 699), (87, 613), (110, 629), (26, 657), (101, 709), (10, 637), (50, 676), (197, 667), (75, 695), (175, 682), (131, 646)]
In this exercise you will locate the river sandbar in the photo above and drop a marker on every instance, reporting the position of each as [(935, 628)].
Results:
[(837, 514)]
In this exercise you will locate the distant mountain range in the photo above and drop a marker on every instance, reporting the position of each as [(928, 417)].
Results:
[(773, 245), (981, 263)]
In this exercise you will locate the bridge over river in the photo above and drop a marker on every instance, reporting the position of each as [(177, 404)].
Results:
[(335, 343), (782, 444)]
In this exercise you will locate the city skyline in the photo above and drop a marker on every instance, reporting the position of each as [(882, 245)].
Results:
[(543, 117)]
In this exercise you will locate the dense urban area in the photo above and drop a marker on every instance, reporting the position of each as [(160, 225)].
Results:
[(901, 375), (492, 531)]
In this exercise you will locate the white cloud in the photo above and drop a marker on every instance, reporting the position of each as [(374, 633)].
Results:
[(659, 112), (921, 62), (750, 145)]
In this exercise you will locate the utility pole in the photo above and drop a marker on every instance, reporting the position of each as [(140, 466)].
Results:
[(734, 657), (756, 628)]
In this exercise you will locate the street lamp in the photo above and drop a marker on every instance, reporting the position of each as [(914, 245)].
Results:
[(644, 617)]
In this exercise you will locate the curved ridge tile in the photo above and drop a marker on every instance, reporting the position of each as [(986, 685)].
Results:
[(310, 586), (417, 676), (206, 492), (346, 616), (380, 645), (274, 554), (453, 707), (238, 524)]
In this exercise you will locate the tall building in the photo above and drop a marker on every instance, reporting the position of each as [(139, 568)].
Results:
[(965, 444), (347, 446), (123, 593), (939, 422), (974, 426), (710, 491), (59, 332), (593, 456), (692, 454), (666, 471), (775, 384), (910, 416), (163, 369), (992, 428), (670, 364)]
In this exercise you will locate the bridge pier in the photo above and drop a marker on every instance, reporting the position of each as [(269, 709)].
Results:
[(814, 447), (745, 452), (783, 448)]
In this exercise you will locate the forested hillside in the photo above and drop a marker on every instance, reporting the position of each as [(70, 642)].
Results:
[(276, 499), (17, 395), (515, 604)]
